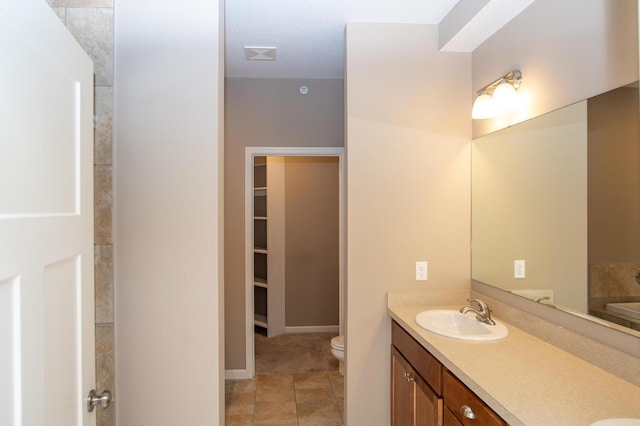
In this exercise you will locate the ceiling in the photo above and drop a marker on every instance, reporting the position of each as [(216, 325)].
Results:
[(309, 34)]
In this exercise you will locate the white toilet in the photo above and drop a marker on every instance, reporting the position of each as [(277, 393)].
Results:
[(337, 347)]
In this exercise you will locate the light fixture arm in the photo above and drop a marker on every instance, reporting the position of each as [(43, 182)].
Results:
[(514, 78)]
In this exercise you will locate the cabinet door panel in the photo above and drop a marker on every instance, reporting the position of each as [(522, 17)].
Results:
[(428, 406), (401, 391)]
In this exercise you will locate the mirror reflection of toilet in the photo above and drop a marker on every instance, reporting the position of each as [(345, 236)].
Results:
[(337, 347)]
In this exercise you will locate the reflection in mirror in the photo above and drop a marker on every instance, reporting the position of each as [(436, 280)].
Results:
[(556, 208)]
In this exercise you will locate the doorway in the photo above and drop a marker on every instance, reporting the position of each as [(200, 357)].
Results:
[(251, 153)]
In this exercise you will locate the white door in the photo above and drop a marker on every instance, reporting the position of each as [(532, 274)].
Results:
[(46, 220)]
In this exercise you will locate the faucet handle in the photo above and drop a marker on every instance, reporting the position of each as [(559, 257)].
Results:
[(482, 306), (483, 312)]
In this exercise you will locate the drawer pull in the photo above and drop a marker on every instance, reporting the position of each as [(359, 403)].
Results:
[(466, 411)]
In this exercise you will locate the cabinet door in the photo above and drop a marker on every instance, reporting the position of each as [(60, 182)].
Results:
[(413, 402), (428, 406), (401, 391)]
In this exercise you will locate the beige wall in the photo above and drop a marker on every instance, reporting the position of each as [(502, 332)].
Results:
[(529, 186), (408, 192), (586, 48), (266, 112), (312, 241)]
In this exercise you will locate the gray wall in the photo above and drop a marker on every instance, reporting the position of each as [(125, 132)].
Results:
[(266, 112), (311, 241)]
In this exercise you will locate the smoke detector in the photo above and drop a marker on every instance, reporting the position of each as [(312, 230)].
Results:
[(260, 53)]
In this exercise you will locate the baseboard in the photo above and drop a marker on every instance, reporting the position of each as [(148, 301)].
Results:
[(236, 375), (312, 329)]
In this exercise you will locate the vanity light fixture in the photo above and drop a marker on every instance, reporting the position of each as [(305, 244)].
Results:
[(497, 97)]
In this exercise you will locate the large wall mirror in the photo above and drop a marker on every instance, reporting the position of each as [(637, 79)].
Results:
[(556, 209)]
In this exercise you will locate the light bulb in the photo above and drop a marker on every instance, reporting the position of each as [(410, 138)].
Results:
[(483, 107), (504, 98)]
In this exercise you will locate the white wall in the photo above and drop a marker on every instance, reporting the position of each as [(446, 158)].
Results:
[(587, 47), (168, 192), (408, 189)]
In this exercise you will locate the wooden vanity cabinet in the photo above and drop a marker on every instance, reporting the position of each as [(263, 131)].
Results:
[(464, 404), (416, 382), (413, 402), (425, 393)]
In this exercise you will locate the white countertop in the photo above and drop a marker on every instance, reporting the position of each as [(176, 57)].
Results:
[(526, 380)]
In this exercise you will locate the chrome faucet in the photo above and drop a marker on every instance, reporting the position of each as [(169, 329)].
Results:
[(483, 313)]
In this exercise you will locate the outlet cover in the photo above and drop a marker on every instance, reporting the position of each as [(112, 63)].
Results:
[(421, 271), (519, 269)]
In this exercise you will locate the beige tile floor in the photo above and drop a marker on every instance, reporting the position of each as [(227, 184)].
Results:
[(300, 399)]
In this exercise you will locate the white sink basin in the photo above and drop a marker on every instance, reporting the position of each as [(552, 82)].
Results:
[(451, 323)]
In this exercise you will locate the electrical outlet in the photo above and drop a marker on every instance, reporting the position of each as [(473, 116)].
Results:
[(519, 269), (421, 271)]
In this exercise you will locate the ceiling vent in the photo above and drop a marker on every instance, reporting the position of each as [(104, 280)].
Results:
[(259, 53)]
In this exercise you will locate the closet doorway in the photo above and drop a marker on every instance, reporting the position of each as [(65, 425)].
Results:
[(260, 285)]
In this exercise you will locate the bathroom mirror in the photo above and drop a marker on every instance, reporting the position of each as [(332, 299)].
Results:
[(556, 207)]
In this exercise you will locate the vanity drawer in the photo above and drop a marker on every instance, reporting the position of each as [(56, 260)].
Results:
[(422, 361), (457, 397)]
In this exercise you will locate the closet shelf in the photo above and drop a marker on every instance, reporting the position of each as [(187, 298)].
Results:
[(260, 282), (260, 320), (260, 250), (260, 191), (260, 218)]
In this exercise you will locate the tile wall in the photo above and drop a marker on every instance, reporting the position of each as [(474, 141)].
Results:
[(91, 23)]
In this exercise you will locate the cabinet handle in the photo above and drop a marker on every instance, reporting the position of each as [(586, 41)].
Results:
[(466, 411), (408, 377)]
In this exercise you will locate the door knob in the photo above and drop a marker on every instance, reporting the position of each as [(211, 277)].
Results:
[(103, 400)]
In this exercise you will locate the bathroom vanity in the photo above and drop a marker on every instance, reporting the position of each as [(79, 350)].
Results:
[(424, 392), (519, 380)]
